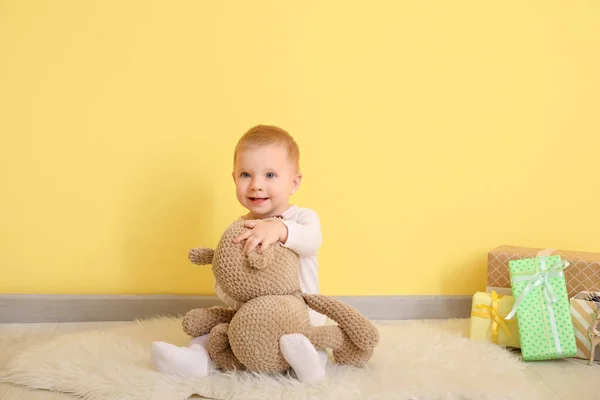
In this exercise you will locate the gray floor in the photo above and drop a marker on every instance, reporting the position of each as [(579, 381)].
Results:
[(562, 379)]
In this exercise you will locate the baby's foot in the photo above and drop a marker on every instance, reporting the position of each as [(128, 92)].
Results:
[(323, 358), (200, 340), (299, 352), (183, 362)]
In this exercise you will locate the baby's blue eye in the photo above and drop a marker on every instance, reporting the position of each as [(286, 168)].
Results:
[(245, 175), (271, 175)]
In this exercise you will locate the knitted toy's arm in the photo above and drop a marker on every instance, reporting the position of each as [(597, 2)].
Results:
[(201, 255), (360, 330)]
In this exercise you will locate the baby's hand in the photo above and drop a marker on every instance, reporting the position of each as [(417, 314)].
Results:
[(261, 233)]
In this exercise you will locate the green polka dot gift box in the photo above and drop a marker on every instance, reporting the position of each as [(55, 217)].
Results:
[(542, 307)]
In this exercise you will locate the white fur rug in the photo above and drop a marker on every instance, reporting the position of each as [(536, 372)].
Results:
[(415, 360)]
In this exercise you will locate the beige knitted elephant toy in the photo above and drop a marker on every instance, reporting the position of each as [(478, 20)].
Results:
[(268, 285)]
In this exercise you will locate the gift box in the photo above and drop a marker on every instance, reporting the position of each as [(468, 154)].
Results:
[(581, 315), (487, 320), (583, 273), (542, 306)]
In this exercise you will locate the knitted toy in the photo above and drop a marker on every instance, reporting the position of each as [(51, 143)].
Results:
[(268, 285)]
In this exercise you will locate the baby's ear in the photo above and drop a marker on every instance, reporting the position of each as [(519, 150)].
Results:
[(262, 260), (201, 255)]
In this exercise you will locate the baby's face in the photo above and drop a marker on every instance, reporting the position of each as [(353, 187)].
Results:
[(265, 179)]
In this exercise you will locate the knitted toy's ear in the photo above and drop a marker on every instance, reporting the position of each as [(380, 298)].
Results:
[(201, 256), (261, 260)]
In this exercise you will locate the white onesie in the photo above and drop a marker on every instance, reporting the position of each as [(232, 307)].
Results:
[(304, 238)]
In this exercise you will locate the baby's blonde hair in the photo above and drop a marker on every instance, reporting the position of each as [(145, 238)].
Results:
[(264, 135)]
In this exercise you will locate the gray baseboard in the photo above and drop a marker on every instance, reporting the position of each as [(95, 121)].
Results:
[(15, 308)]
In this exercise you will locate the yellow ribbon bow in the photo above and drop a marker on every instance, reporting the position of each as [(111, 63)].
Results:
[(491, 312)]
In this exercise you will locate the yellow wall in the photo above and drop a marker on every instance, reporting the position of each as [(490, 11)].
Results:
[(430, 132)]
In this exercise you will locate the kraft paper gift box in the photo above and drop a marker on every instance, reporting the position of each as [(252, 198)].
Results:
[(581, 314), (487, 320), (542, 306), (582, 275)]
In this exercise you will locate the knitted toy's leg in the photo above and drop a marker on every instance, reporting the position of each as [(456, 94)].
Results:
[(360, 330), (220, 350), (200, 321), (344, 350)]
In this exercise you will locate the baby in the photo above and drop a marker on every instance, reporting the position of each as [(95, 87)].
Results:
[(266, 174)]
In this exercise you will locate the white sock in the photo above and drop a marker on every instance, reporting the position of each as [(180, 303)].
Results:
[(183, 362), (201, 340), (298, 351), (323, 358)]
